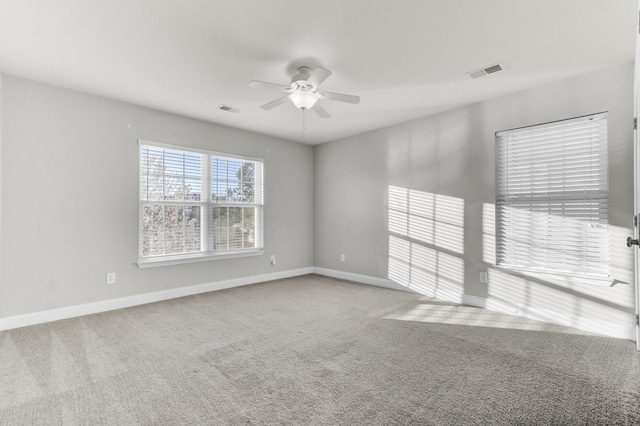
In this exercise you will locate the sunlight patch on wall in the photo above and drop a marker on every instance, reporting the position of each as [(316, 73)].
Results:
[(400, 260), (426, 236), (566, 300), (621, 255), (522, 292), (430, 218), (590, 307), (489, 233)]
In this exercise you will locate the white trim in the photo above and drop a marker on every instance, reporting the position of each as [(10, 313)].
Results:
[(636, 178), (363, 279), (478, 302), (1, 173), (34, 318), (150, 262), (601, 327)]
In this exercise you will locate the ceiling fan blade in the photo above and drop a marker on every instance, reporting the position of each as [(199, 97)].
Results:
[(275, 103), (318, 76), (270, 86), (321, 111), (350, 99)]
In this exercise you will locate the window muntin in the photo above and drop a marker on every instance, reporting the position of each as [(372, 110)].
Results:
[(196, 204), (552, 198)]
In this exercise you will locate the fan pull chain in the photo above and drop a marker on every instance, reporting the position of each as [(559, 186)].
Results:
[(304, 123)]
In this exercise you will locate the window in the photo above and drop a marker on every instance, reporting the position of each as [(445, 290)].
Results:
[(552, 198), (197, 205)]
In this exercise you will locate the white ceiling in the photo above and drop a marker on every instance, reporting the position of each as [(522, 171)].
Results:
[(405, 58)]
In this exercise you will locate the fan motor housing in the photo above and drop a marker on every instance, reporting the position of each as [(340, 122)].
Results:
[(301, 77)]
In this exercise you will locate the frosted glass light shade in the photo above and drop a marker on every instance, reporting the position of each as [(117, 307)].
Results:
[(303, 99)]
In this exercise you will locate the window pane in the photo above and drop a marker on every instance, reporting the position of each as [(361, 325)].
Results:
[(219, 179), (248, 228), (193, 177), (171, 229), (170, 175), (182, 176), (152, 231), (151, 173), (248, 182), (233, 228), (234, 172), (219, 226), (192, 228), (233, 180)]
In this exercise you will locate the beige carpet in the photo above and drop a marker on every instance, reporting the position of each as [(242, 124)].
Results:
[(313, 351)]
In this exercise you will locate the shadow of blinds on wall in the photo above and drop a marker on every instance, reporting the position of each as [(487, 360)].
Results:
[(552, 198)]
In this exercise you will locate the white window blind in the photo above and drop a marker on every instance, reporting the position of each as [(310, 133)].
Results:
[(195, 203), (552, 198)]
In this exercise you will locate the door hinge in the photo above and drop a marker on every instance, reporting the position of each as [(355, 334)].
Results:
[(637, 319), (635, 123), (635, 221)]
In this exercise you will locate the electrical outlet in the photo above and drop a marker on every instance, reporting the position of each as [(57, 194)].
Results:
[(273, 260), (111, 278), (343, 258), (484, 277)]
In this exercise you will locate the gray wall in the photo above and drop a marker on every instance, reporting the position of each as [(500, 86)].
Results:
[(70, 203), (414, 203)]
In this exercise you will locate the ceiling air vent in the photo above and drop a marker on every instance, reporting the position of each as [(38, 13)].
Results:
[(227, 108), (486, 70)]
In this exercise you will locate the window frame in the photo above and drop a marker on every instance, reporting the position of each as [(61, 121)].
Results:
[(595, 226), (207, 205)]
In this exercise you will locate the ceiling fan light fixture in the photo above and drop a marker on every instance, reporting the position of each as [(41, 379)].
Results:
[(303, 93), (303, 99)]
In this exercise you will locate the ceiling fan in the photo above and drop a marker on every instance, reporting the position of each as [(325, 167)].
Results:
[(303, 91)]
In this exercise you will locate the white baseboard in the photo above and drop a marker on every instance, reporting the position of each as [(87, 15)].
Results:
[(363, 279), (41, 317), (7, 323), (478, 302)]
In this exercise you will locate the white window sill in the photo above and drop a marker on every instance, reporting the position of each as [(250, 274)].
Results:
[(153, 262)]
